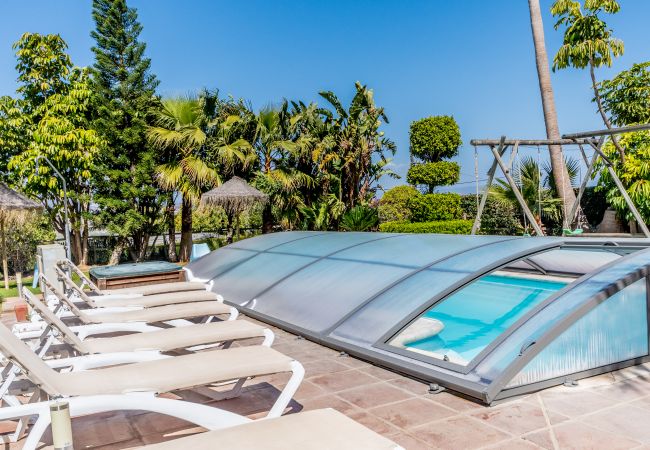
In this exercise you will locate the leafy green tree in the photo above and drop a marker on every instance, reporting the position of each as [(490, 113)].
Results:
[(588, 42), (56, 106), (125, 191), (626, 97), (393, 205), (634, 171), (433, 140)]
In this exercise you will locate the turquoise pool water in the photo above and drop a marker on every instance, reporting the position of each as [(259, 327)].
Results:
[(474, 316)]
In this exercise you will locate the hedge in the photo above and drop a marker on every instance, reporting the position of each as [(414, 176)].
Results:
[(432, 207), (441, 173), (438, 226), (435, 138), (497, 218)]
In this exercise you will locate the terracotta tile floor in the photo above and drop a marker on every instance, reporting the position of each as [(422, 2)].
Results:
[(609, 411)]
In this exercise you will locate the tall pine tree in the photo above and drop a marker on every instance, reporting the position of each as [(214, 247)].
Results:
[(126, 192)]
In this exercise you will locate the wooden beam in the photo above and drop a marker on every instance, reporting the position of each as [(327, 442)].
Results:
[(583, 186), (607, 132), (530, 142), (479, 211)]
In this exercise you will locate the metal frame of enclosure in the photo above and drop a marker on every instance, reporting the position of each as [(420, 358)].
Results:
[(356, 291), (588, 138)]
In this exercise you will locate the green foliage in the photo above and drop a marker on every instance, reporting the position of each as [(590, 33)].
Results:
[(441, 227), (498, 218), (587, 39), (593, 205), (434, 174), (124, 184), (360, 218), (626, 97), (322, 215), (24, 232), (433, 207), (435, 138), (635, 174), (393, 205)]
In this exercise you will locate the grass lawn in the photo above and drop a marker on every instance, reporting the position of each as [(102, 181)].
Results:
[(27, 281)]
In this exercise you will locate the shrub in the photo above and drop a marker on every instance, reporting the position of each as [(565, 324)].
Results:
[(430, 207), (435, 138), (360, 218), (440, 226), (434, 174), (24, 233), (497, 218), (593, 205), (393, 204)]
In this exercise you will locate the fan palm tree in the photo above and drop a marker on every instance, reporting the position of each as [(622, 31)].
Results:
[(560, 173)]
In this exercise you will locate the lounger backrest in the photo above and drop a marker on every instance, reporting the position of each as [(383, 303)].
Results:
[(69, 284), (82, 276), (53, 320), (61, 296), (35, 369)]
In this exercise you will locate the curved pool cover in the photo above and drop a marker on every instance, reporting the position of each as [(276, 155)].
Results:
[(488, 316)]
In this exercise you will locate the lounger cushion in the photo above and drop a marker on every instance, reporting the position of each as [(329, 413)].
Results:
[(160, 288), (148, 301), (312, 430), (177, 373), (159, 313), (176, 338)]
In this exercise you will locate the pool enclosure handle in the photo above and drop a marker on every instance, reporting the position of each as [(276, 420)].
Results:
[(526, 346)]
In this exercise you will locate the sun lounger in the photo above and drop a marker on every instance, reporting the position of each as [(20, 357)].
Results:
[(152, 289), (152, 377)]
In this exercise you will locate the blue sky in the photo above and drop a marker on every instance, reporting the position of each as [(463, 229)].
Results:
[(472, 59)]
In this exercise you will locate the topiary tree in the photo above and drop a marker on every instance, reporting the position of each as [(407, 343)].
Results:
[(433, 140), (393, 205)]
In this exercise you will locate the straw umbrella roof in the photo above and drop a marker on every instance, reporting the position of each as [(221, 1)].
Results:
[(235, 195), (11, 200)]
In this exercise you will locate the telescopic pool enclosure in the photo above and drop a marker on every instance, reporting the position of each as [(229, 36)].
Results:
[(488, 316)]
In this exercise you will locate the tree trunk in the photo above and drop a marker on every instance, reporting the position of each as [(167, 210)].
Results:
[(267, 219), (171, 229), (186, 230), (558, 165), (84, 245), (117, 252)]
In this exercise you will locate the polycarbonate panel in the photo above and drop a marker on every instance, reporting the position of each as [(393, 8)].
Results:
[(251, 277), (270, 240), (580, 293), (217, 262), (329, 243), (320, 294), (378, 317), (614, 331)]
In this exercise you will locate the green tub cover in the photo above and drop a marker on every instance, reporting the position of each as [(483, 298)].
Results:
[(134, 269)]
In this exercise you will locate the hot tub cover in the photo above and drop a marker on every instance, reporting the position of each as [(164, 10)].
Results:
[(134, 269), (355, 291)]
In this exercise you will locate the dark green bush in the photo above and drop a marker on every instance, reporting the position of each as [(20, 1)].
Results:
[(440, 226), (441, 173), (435, 138), (497, 218), (360, 218), (393, 204), (593, 205), (430, 207)]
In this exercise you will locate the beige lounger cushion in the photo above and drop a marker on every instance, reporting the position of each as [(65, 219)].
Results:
[(171, 374), (311, 430), (160, 288), (174, 338), (148, 301), (159, 313)]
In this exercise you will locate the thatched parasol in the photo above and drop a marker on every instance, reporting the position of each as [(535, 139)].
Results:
[(235, 196), (11, 202)]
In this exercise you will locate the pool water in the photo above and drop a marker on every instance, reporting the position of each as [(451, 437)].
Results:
[(477, 314)]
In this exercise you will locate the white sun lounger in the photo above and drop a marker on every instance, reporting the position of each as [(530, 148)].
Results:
[(137, 301), (152, 289), (151, 377)]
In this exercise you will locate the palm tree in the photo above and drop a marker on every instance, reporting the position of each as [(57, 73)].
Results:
[(560, 173), (588, 42)]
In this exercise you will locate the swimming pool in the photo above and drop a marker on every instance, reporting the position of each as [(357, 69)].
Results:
[(474, 316)]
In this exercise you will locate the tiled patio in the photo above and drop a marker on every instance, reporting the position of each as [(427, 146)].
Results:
[(610, 411)]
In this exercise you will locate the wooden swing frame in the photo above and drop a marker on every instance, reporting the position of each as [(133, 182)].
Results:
[(588, 138)]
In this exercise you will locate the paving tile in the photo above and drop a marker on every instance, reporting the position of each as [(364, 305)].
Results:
[(408, 441), (308, 390), (416, 387), (374, 423), (372, 395), (460, 432), (514, 444), (412, 412), (151, 423), (517, 418), (576, 435), (574, 402), (330, 401), (94, 432), (455, 401), (333, 382), (541, 438), (323, 366), (624, 420), (625, 390), (354, 362), (380, 373)]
